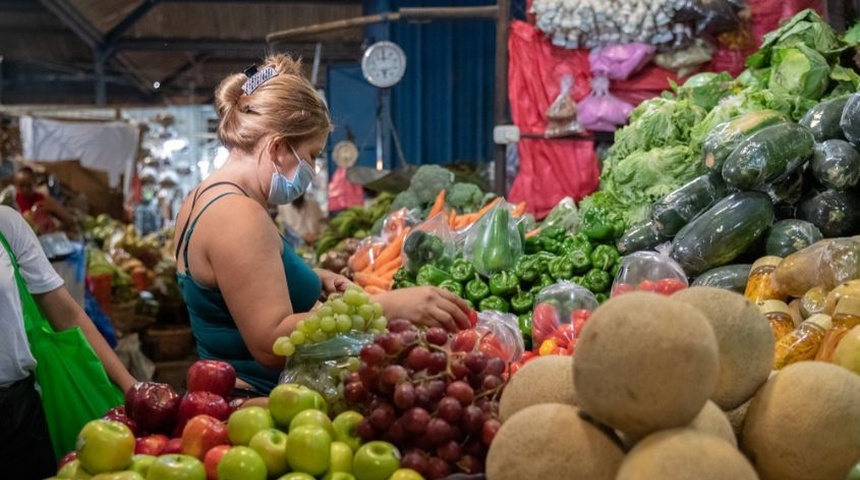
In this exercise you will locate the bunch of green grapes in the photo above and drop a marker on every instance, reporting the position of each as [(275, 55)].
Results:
[(352, 311)]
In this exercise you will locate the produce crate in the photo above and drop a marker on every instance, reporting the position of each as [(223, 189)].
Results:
[(100, 286), (167, 342), (126, 320)]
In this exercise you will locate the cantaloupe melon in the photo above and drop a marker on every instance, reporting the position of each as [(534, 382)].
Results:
[(684, 454), (804, 423), (551, 441), (644, 363), (547, 379), (745, 341), (736, 418), (712, 420)]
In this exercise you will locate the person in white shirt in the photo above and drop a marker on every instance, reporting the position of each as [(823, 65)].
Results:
[(25, 447), (303, 217)]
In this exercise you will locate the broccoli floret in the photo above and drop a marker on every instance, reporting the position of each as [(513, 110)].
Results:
[(465, 197), (429, 180), (406, 199)]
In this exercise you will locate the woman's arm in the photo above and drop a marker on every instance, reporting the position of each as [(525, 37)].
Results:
[(64, 313)]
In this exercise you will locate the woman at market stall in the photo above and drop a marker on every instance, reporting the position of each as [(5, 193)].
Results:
[(25, 446), (243, 284)]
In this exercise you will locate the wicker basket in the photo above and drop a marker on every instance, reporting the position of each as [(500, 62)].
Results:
[(167, 342), (125, 320)]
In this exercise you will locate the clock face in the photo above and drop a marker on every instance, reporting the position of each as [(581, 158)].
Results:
[(383, 64)]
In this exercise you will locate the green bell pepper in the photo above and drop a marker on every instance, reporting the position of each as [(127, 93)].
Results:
[(452, 286), (404, 284), (493, 252), (525, 323), (552, 231), (421, 248), (402, 274), (604, 257), (577, 279), (533, 245), (469, 303), (561, 268), (477, 290), (615, 268), (504, 284), (431, 275), (601, 297), (578, 242), (527, 268), (597, 280), (546, 280), (462, 270), (494, 302), (522, 302), (551, 245), (580, 261)]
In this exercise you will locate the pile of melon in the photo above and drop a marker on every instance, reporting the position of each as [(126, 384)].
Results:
[(677, 388)]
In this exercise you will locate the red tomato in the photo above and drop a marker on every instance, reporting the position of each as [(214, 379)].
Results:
[(668, 286), (620, 288), (473, 316), (564, 334), (545, 318), (647, 286), (579, 318), (515, 366), (527, 355), (564, 351)]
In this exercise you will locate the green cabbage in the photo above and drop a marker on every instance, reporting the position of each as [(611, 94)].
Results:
[(799, 71), (646, 176), (806, 28)]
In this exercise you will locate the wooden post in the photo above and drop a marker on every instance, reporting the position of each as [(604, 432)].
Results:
[(500, 103)]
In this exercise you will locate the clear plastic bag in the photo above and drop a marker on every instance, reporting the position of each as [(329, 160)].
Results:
[(496, 334), (320, 366), (712, 16), (562, 112), (686, 60), (429, 242), (620, 62), (824, 264), (494, 243), (560, 313), (564, 215), (601, 111), (397, 221), (366, 254), (649, 271)]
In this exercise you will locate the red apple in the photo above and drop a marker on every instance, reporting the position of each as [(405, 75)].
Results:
[(67, 458), (211, 459), (153, 406), (118, 415), (201, 403), (151, 445), (211, 376), (201, 433), (174, 445)]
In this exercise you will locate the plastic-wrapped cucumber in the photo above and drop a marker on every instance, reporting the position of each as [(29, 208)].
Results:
[(788, 236), (788, 191), (836, 164), (834, 212), (727, 277), (641, 236), (768, 155), (850, 120), (823, 119), (720, 142), (676, 209)]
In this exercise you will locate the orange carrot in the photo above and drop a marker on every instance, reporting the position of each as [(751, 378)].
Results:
[(373, 290), (438, 205), (387, 271), (366, 279), (480, 213), (392, 251), (533, 233), (519, 209), (452, 219)]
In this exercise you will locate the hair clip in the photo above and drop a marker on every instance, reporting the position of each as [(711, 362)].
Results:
[(258, 78), (250, 70)]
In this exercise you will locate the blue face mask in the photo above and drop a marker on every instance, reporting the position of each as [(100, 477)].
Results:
[(283, 190)]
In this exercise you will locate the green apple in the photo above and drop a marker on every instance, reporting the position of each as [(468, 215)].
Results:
[(405, 474), (297, 476), (344, 426), (341, 458), (375, 461), (175, 466), (246, 422), (74, 471), (140, 463), (105, 446), (854, 474), (126, 475), (287, 400), (315, 418), (338, 476), (309, 449), (271, 444), (242, 463)]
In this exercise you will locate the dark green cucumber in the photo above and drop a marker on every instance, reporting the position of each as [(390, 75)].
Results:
[(727, 277), (788, 236), (850, 120), (768, 155), (823, 119), (834, 212), (720, 142), (836, 164), (676, 209), (723, 232), (641, 236)]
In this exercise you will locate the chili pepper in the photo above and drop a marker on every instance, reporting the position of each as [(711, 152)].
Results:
[(597, 280), (402, 274), (462, 270), (452, 286), (604, 257), (532, 245), (503, 284), (527, 268), (578, 242), (580, 261), (525, 324), (477, 290), (494, 302), (431, 275), (522, 302), (561, 268), (404, 284)]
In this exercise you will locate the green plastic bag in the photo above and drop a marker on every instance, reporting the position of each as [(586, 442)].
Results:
[(74, 385)]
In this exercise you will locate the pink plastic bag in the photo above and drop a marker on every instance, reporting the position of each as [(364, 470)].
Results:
[(342, 193), (620, 62), (601, 111)]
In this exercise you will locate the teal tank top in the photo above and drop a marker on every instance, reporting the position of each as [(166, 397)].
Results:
[(215, 331)]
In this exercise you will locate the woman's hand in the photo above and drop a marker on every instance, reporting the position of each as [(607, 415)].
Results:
[(426, 306), (332, 282)]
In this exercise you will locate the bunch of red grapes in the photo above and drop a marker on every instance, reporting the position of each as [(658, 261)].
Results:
[(439, 407)]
